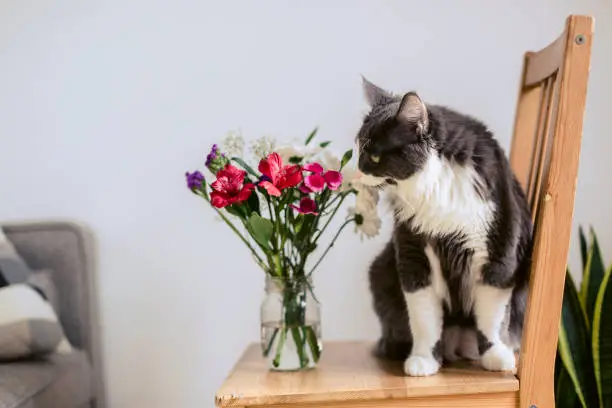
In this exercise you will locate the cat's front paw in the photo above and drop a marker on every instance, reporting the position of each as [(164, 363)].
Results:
[(421, 366), (499, 358)]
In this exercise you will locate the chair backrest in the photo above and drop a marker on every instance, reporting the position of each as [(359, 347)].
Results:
[(544, 156)]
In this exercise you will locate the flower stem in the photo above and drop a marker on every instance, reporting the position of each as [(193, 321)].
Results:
[(233, 228), (311, 337), (279, 347), (271, 342), (299, 343), (329, 219), (331, 244)]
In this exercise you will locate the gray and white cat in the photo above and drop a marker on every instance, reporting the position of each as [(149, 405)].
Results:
[(452, 282)]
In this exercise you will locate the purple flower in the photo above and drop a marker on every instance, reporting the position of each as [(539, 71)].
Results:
[(214, 152), (216, 161), (194, 180)]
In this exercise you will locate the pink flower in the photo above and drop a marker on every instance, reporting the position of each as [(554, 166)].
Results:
[(313, 167), (229, 187), (307, 206), (279, 176), (314, 182), (304, 189), (333, 179)]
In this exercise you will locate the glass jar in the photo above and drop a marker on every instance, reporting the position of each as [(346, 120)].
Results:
[(290, 324)]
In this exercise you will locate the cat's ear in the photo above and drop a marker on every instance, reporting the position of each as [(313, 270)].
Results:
[(412, 110), (374, 94)]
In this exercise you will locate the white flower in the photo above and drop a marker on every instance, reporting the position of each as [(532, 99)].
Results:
[(233, 144), (288, 152), (366, 205), (306, 152), (262, 147), (330, 161)]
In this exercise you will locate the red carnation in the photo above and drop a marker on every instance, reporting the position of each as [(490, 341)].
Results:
[(229, 187)]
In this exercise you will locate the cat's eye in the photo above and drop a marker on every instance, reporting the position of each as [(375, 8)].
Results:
[(375, 158)]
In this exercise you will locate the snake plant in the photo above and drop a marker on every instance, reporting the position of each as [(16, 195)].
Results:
[(583, 369)]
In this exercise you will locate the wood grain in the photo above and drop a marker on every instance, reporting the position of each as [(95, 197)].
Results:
[(348, 372), (541, 155), (523, 139), (554, 222), (501, 400), (542, 64)]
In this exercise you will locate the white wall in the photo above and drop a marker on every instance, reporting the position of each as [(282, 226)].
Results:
[(104, 105)]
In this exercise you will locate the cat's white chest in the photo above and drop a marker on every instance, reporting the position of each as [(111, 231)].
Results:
[(441, 199)]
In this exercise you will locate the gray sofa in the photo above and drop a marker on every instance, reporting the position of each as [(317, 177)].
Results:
[(59, 381)]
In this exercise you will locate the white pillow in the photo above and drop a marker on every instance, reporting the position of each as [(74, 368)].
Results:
[(28, 323)]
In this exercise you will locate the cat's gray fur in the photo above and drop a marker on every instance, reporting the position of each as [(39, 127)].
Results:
[(399, 138)]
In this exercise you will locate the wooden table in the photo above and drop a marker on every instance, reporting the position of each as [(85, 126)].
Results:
[(348, 376)]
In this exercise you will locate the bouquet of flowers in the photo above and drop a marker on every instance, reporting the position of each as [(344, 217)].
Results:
[(280, 209)]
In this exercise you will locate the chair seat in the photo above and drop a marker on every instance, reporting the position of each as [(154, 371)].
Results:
[(347, 372), (60, 380)]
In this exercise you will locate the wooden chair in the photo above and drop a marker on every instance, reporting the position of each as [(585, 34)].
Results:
[(544, 155)]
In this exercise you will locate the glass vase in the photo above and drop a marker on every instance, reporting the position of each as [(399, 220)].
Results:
[(290, 324)]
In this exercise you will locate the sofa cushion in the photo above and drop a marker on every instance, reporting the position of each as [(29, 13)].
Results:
[(58, 380)]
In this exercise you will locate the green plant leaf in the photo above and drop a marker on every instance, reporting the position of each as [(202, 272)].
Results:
[(584, 249), (594, 272), (324, 144), (253, 202), (245, 166), (602, 340), (311, 135), (261, 229), (565, 393), (346, 157), (237, 210), (295, 159), (575, 345)]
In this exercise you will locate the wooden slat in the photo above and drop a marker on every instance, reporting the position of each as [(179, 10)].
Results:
[(525, 122), (544, 63), (553, 225), (537, 144), (543, 136), (348, 372), (502, 400)]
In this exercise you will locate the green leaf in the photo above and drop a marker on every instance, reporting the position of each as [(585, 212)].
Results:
[(346, 157), (602, 340), (565, 393), (253, 202), (593, 275), (245, 166), (575, 345), (237, 210), (295, 159), (311, 135), (324, 144), (584, 249), (261, 229)]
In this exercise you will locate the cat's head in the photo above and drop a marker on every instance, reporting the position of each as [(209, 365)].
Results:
[(393, 141)]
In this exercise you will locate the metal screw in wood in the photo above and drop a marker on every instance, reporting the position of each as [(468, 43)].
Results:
[(580, 39)]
